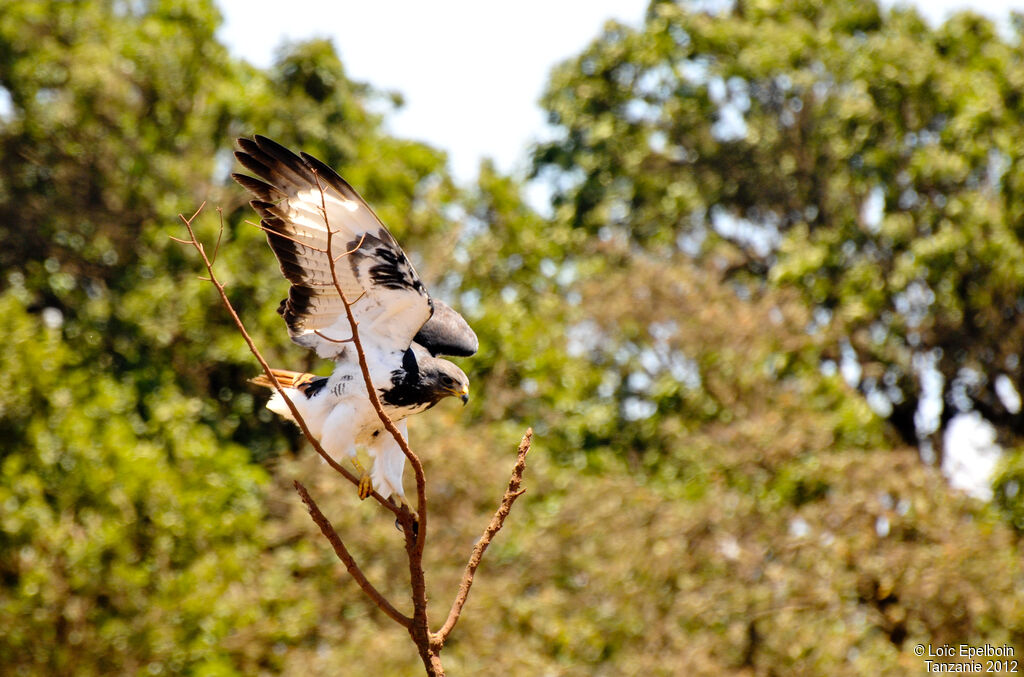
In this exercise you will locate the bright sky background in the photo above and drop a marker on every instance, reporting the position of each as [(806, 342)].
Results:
[(471, 71)]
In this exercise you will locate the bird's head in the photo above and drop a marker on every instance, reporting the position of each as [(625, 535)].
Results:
[(448, 380)]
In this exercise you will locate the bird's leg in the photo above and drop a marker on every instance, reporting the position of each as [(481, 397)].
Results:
[(365, 484)]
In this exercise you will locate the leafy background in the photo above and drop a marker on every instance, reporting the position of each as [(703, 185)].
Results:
[(741, 202)]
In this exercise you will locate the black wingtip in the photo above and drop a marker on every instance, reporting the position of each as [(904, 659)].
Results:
[(332, 178), (276, 150), (247, 145), (265, 158), (260, 189)]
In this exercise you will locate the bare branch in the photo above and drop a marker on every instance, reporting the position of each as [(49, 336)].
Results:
[(512, 492), (343, 554), (317, 515), (337, 467), (189, 220), (287, 237), (428, 644), (415, 538), (350, 251), (371, 391), (220, 234), (332, 340)]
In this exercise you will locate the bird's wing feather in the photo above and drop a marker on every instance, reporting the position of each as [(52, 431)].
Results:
[(292, 196), (447, 333)]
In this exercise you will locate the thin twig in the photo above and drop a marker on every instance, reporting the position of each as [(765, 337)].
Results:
[(220, 234), (332, 340), (318, 517), (415, 538), (512, 492), (194, 242), (371, 391), (429, 644), (343, 554), (287, 237), (362, 238)]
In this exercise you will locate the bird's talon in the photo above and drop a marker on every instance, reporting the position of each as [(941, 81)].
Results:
[(403, 505), (365, 487), (415, 525)]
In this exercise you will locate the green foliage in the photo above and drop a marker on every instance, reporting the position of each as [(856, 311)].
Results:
[(860, 156), (702, 497), (117, 529)]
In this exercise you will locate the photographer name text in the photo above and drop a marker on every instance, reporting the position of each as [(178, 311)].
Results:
[(984, 659)]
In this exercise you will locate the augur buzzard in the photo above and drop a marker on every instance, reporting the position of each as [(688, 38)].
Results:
[(401, 328)]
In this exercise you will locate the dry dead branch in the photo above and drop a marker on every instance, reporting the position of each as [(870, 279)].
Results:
[(414, 526)]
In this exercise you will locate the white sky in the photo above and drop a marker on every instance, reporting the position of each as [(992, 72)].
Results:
[(471, 71)]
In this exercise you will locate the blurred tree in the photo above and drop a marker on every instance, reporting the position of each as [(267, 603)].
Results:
[(705, 495), (122, 115), (101, 96), (117, 529), (856, 154), (129, 501)]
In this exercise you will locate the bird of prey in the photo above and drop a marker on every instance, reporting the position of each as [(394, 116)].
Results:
[(312, 216)]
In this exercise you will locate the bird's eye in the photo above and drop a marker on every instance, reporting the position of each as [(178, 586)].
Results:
[(447, 380)]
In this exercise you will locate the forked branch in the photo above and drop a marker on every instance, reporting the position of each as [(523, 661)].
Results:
[(428, 644), (512, 492), (194, 242), (339, 548), (371, 391)]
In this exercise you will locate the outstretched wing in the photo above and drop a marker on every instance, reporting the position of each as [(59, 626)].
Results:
[(296, 198)]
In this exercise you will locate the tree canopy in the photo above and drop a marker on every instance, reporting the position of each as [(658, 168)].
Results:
[(860, 156), (743, 199)]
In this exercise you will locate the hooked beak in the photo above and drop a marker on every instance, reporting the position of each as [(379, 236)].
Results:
[(464, 395)]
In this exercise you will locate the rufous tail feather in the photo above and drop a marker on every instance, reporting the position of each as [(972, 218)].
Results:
[(287, 379)]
